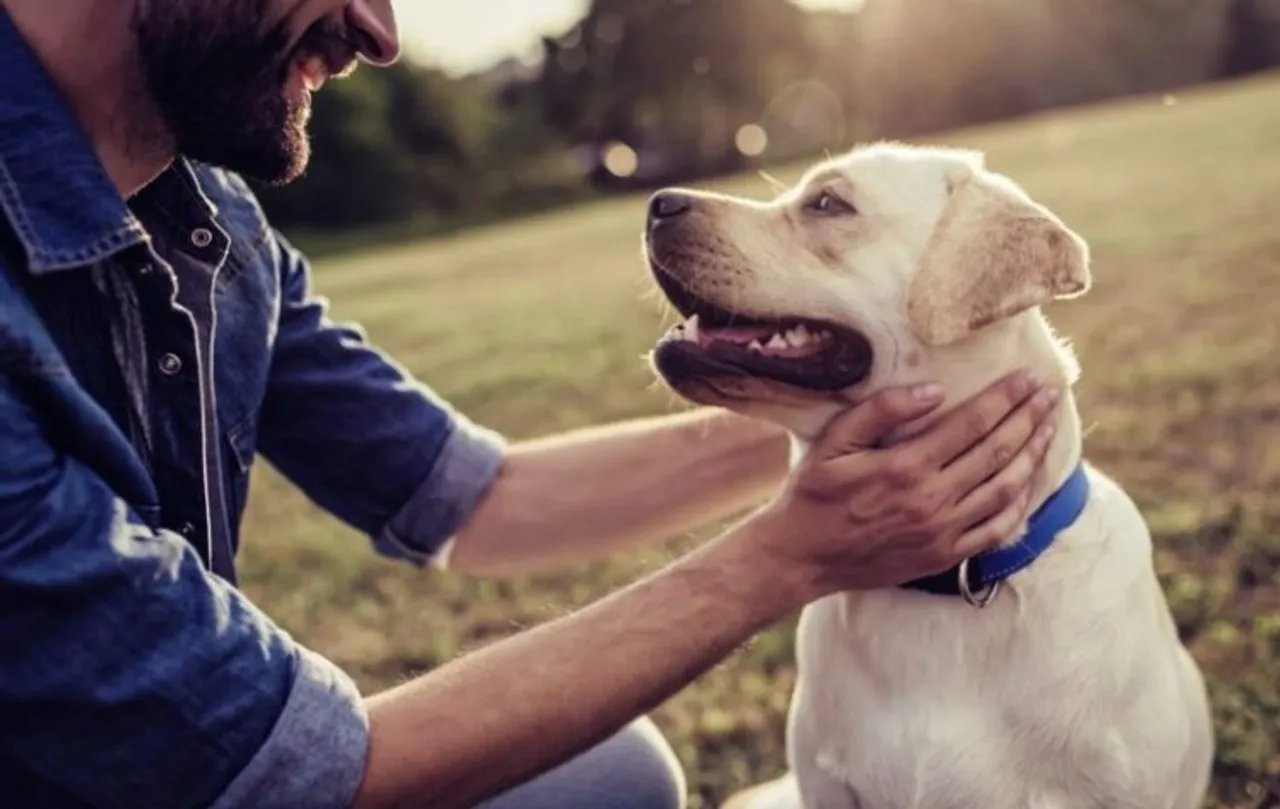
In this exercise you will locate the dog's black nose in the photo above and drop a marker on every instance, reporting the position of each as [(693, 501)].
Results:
[(668, 205)]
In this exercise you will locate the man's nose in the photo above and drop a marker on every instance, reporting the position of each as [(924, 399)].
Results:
[(376, 22)]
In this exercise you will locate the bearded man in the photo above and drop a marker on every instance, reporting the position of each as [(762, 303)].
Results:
[(157, 334)]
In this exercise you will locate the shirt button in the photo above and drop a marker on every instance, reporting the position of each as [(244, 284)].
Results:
[(170, 364), (186, 529), (202, 237)]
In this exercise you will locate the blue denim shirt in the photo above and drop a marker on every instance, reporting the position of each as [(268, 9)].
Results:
[(149, 351)]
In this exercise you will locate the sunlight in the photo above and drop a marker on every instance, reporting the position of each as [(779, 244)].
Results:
[(463, 37), (843, 5)]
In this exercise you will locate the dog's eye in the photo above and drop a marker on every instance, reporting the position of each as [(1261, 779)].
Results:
[(829, 204)]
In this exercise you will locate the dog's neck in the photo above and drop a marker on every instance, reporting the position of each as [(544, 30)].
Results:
[(1026, 341)]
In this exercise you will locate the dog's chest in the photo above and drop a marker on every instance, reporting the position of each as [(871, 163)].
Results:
[(897, 748), (928, 717)]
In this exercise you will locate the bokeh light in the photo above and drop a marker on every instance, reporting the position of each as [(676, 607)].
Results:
[(621, 160), (751, 140)]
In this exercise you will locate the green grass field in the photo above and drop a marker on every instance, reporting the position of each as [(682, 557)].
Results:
[(541, 325)]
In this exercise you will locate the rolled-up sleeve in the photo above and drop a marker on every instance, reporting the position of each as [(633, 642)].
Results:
[(130, 676), (315, 754), (362, 437)]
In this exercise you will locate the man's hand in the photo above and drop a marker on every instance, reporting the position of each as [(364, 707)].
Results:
[(853, 516), (849, 517)]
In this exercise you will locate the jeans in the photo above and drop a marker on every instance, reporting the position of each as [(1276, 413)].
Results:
[(634, 769)]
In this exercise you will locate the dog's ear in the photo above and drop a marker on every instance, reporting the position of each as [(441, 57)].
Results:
[(994, 253)]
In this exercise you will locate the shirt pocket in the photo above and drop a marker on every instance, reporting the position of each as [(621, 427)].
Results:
[(241, 446)]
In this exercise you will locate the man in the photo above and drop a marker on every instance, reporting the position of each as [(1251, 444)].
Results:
[(156, 333)]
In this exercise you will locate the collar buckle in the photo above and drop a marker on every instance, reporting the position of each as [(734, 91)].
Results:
[(984, 595)]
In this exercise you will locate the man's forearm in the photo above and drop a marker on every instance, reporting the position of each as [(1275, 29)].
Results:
[(594, 492), (501, 715)]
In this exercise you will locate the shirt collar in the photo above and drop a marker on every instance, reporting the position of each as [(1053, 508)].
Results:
[(54, 191)]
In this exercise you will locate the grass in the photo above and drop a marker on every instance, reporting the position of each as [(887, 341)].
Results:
[(539, 325)]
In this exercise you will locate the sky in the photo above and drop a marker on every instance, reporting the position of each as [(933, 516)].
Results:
[(464, 35)]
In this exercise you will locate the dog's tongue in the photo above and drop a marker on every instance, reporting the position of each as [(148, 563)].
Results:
[(767, 341), (741, 335)]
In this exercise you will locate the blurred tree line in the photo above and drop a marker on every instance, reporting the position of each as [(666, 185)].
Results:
[(644, 92)]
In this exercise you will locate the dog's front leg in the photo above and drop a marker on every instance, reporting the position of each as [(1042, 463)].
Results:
[(824, 792), (821, 786)]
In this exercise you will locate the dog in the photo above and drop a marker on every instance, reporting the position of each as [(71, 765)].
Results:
[(1055, 677)]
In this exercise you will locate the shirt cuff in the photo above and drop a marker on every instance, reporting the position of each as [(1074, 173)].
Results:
[(315, 755), (423, 531)]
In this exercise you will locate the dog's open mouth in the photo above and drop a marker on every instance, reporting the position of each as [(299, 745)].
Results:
[(797, 351)]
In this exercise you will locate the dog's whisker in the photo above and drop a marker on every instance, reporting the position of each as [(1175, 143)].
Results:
[(777, 184)]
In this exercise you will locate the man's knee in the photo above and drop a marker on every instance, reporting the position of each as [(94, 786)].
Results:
[(655, 776), (634, 769)]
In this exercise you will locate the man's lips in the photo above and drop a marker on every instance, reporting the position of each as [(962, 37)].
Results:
[(313, 71), (327, 50)]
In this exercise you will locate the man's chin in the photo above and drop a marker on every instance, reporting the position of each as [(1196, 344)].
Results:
[(262, 137), (270, 162), (282, 173)]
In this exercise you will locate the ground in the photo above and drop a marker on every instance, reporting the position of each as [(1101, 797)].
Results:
[(541, 325)]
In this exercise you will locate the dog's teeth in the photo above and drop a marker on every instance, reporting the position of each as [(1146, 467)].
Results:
[(691, 328), (799, 336), (777, 341), (755, 346)]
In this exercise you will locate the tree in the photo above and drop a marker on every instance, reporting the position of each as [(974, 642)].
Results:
[(675, 79), (385, 145)]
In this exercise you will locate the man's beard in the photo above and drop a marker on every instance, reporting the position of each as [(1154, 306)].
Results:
[(219, 83)]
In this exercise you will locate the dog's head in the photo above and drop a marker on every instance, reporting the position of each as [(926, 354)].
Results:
[(871, 271)]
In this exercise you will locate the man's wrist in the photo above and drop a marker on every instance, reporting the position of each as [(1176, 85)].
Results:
[(467, 730), (776, 584)]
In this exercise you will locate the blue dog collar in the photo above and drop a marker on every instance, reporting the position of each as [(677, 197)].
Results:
[(977, 579)]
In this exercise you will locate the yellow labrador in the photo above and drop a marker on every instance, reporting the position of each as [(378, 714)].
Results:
[(1047, 673)]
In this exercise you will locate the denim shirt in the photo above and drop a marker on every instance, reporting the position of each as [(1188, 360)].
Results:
[(149, 352)]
